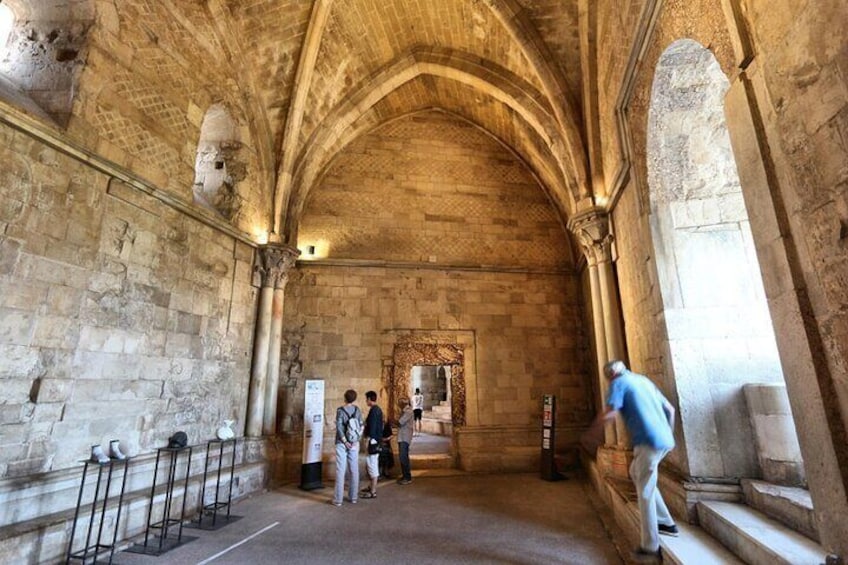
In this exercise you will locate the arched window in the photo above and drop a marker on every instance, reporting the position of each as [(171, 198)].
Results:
[(217, 166), (720, 334), (42, 47)]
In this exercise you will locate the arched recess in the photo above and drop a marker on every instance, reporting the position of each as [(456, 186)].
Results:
[(43, 54), (719, 331), (521, 98), (218, 167)]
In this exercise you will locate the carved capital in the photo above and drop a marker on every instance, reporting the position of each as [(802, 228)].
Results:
[(274, 263), (592, 230)]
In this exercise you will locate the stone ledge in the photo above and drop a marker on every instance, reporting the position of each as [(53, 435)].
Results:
[(45, 539), (791, 506)]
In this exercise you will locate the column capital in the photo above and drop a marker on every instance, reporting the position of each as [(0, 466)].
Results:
[(274, 262), (592, 230)]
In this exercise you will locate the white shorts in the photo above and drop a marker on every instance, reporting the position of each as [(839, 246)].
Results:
[(372, 465)]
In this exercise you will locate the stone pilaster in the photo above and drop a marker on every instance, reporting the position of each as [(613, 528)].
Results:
[(273, 264), (592, 230)]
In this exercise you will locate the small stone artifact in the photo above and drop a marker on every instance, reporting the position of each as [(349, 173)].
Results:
[(226, 432), (115, 450), (97, 454), (178, 440)]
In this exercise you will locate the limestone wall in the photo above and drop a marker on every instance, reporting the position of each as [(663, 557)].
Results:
[(433, 189), (428, 229), (794, 187), (137, 94), (120, 318), (526, 336)]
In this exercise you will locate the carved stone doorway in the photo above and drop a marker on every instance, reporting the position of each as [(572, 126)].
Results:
[(408, 355)]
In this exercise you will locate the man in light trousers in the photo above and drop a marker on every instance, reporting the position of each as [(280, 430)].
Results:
[(649, 417), (347, 453)]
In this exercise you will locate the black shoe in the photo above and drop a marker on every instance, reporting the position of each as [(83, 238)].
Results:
[(668, 530), (644, 556)]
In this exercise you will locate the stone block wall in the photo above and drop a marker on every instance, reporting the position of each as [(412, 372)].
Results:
[(428, 227), (118, 315), (433, 189), (137, 94), (794, 190), (528, 338)]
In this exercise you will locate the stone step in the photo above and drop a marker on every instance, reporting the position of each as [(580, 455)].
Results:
[(442, 417), (791, 506), (429, 461), (694, 546), (441, 410), (436, 426), (756, 538)]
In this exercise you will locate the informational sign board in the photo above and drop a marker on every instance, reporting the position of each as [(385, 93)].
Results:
[(549, 472), (313, 435)]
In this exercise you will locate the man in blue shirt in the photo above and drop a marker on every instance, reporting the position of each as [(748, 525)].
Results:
[(649, 417)]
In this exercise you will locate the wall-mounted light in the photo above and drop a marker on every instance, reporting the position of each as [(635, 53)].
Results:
[(310, 250)]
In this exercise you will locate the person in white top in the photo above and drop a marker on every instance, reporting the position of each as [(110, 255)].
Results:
[(418, 409)]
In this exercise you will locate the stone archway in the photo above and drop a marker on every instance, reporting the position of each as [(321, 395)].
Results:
[(406, 355), (720, 340)]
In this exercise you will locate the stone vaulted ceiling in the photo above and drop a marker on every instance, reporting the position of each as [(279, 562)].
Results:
[(329, 71), (318, 74)]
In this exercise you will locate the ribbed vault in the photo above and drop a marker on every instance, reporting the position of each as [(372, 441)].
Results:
[(363, 62)]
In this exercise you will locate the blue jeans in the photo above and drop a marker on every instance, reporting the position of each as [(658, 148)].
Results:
[(403, 453), (346, 460)]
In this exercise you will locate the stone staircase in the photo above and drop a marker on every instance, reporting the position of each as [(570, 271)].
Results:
[(764, 530), (438, 420), (756, 538), (761, 530)]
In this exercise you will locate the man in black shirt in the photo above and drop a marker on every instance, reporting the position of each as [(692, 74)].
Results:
[(373, 433)]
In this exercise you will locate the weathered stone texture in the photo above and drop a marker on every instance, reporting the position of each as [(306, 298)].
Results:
[(44, 53), (805, 64), (433, 189), (528, 327), (115, 317), (142, 95), (470, 28), (799, 77)]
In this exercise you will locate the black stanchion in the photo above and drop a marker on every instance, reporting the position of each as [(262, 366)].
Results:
[(209, 517), (95, 548), (549, 470), (166, 526)]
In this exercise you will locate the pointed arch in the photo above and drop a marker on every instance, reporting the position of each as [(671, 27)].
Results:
[(492, 81)]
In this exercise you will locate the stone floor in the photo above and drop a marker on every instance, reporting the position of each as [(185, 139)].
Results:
[(455, 519)]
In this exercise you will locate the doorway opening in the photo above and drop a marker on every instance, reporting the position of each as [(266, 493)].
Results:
[(721, 346), (443, 398), (434, 430)]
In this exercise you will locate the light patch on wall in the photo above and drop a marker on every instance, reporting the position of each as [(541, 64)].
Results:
[(260, 235), (7, 22)]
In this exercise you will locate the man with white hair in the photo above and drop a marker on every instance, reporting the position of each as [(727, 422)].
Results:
[(649, 417)]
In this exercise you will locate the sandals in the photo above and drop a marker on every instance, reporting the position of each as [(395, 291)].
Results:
[(367, 494)]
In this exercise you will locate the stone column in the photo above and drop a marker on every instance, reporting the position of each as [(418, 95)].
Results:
[(269, 420), (269, 266), (591, 228)]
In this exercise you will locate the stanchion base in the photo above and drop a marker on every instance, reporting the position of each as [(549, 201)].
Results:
[(153, 547), (310, 476), (207, 524)]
